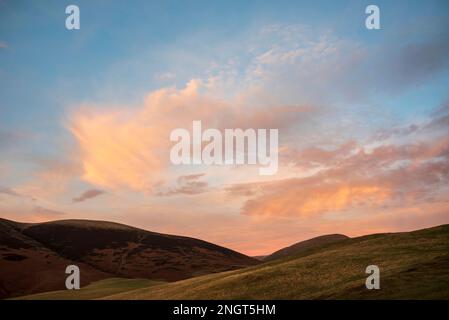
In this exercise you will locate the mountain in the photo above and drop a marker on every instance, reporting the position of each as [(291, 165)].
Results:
[(33, 257), (306, 245), (413, 265)]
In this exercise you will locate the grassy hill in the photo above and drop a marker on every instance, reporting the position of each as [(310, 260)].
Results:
[(306, 245), (413, 265)]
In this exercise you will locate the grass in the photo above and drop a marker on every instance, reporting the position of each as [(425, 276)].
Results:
[(94, 290)]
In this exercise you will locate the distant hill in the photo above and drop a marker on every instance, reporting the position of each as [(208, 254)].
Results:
[(413, 265), (306, 245), (33, 257)]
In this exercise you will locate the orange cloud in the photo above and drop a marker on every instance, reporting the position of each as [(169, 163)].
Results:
[(130, 149), (292, 197), (117, 149), (351, 177)]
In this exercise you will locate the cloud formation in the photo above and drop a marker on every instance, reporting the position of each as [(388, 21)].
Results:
[(130, 149), (353, 176)]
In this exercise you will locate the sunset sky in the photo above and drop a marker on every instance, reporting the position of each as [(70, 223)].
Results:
[(363, 116)]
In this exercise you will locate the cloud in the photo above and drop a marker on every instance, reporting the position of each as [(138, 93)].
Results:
[(117, 150), (308, 197), (297, 64), (3, 45), (9, 192), (130, 149), (280, 86), (190, 177), (186, 185), (89, 194), (355, 177)]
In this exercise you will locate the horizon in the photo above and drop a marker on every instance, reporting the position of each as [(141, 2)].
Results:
[(362, 117)]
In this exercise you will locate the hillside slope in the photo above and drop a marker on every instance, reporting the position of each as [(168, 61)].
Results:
[(27, 266), (413, 265), (306, 245), (35, 255)]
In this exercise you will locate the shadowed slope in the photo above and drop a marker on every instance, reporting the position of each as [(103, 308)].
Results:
[(27, 266)]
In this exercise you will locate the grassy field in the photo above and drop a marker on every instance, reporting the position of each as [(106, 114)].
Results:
[(413, 265), (95, 290)]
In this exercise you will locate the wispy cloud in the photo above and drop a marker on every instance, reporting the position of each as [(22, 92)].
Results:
[(89, 194), (186, 185)]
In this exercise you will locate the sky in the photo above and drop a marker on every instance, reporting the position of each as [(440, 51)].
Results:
[(363, 116)]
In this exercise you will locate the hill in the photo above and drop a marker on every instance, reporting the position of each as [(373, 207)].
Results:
[(306, 245), (34, 256), (27, 266), (413, 265)]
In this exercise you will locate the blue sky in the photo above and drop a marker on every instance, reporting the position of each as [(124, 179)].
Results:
[(42, 54)]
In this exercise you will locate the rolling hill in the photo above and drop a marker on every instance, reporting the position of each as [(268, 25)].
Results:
[(303, 246), (413, 265), (33, 257)]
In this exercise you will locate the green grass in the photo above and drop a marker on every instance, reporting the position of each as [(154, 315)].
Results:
[(413, 265), (94, 290)]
